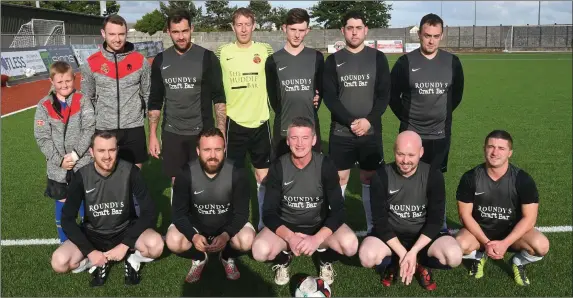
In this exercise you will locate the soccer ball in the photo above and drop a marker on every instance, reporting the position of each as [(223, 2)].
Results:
[(312, 287), (29, 72)]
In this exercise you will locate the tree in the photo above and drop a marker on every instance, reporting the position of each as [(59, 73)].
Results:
[(151, 22), (277, 16), (377, 13), (197, 18), (85, 7), (262, 11), (219, 14)]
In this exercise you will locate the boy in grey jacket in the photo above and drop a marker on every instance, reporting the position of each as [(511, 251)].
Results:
[(63, 125)]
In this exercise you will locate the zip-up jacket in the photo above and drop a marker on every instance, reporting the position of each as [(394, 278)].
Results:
[(118, 85), (49, 126)]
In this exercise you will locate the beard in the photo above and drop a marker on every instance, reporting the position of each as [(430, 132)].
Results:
[(211, 169), (182, 50)]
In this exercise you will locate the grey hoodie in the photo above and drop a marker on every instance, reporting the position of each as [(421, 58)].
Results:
[(49, 128), (118, 85)]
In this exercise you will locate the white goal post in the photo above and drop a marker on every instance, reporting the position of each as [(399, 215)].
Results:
[(538, 39), (39, 32)]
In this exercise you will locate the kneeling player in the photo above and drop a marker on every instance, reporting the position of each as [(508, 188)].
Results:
[(211, 208), (498, 204), (408, 198), (110, 230), (303, 209)]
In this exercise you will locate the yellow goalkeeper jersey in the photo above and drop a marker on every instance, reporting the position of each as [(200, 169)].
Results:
[(245, 82)]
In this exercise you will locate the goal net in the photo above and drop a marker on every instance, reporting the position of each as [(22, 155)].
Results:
[(40, 32), (538, 39)]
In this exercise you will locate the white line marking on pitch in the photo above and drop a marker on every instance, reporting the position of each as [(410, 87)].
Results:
[(54, 241), (18, 111)]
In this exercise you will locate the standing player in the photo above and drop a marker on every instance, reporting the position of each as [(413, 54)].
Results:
[(116, 80), (427, 86), (356, 90), (243, 65), (304, 208), (498, 204), (211, 208), (64, 124), (188, 78), (294, 81), (110, 230), (407, 206)]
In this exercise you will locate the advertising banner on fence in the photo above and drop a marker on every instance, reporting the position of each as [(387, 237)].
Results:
[(390, 46), (83, 51), (370, 43), (15, 64), (159, 46), (149, 48), (337, 46), (51, 54), (411, 46)]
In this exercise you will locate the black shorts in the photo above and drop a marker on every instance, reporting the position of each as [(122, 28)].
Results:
[(104, 243), (56, 190), (281, 148), (436, 153), (496, 235), (257, 141), (366, 150), (176, 151), (132, 144)]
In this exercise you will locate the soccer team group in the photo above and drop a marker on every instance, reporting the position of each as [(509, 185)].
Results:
[(216, 109)]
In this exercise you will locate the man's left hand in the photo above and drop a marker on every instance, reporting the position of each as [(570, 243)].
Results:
[(360, 126), (117, 253), (496, 249), (219, 242), (315, 99), (309, 244)]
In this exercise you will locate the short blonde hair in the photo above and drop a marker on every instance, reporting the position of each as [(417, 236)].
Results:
[(243, 11), (60, 67)]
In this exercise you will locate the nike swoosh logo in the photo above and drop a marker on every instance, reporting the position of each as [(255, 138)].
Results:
[(230, 58), (287, 183), (394, 191), (165, 67), (415, 69), (281, 68), (198, 192), (338, 65), (479, 193), (88, 191)]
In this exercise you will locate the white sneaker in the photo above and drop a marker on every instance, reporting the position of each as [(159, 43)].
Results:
[(282, 275), (327, 273), (196, 269), (84, 265)]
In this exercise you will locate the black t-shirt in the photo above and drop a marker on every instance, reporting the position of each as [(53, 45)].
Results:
[(292, 82), (303, 199), (497, 204), (356, 85), (210, 206), (406, 207), (109, 205), (189, 84), (426, 91)]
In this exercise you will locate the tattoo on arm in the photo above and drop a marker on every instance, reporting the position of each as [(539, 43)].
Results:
[(221, 114), (153, 117)]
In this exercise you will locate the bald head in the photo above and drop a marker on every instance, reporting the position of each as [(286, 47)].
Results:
[(408, 150), (408, 138)]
